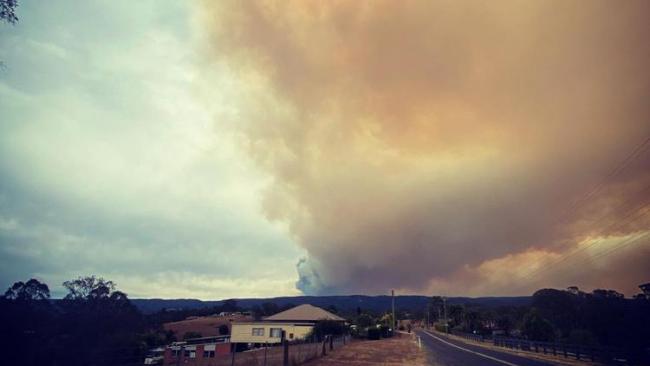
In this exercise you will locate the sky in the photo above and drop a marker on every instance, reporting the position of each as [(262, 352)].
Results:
[(252, 149)]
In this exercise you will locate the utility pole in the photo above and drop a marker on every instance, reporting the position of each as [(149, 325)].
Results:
[(392, 292), (428, 309), (444, 306)]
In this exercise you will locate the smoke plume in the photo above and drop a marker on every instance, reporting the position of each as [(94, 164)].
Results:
[(444, 145)]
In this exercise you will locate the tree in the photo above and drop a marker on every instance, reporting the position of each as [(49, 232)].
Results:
[(537, 328), (97, 320), (646, 289), (435, 308), (33, 290), (224, 330), (28, 322), (328, 327), (608, 294), (8, 11), (364, 321), (88, 288)]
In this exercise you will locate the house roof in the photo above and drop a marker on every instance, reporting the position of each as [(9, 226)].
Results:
[(304, 312)]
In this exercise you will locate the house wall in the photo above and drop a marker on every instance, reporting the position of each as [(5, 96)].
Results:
[(221, 349), (243, 332)]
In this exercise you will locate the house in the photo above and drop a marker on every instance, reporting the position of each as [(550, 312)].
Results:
[(197, 352), (296, 323)]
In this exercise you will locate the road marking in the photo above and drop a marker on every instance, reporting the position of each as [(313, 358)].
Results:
[(470, 351)]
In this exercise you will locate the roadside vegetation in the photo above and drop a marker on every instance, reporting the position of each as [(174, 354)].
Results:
[(602, 318)]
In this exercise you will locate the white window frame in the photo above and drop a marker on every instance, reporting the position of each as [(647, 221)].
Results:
[(208, 354), (278, 332), (257, 332)]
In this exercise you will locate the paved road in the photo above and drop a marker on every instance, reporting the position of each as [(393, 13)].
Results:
[(448, 352)]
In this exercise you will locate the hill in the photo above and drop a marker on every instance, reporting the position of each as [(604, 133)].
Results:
[(344, 302)]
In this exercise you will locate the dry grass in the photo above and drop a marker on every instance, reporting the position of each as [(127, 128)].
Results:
[(393, 351)]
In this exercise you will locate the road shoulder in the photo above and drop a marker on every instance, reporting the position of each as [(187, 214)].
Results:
[(396, 351)]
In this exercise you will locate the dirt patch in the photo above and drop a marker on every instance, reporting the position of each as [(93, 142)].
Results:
[(402, 350)]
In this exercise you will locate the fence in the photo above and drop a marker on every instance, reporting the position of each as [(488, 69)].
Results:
[(287, 354), (566, 350), (577, 352)]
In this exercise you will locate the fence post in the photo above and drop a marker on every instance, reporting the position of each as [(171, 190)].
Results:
[(323, 352), (266, 347), (331, 343), (234, 351), (285, 358)]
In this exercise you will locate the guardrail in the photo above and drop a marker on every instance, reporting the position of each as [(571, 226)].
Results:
[(578, 352), (575, 351)]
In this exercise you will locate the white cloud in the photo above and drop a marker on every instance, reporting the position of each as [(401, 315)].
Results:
[(112, 165)]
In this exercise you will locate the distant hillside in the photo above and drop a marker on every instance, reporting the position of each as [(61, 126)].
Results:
[(348, 302)]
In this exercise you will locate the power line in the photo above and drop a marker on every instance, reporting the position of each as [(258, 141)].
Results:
[(638, 150), (613, 173), (535, 275)]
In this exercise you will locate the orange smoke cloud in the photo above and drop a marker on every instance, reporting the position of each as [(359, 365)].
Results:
[(410, 141)]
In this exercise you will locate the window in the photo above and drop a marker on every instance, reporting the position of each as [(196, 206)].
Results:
[(290, 335), (276, 333), (259, 332), (209, 354), (192, 354), (176, 352), (187, 353)]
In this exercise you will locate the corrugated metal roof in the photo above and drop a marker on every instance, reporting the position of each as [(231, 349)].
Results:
[(304, 312)]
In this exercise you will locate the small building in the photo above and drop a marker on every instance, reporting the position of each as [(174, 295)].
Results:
[(296, 323), (197, 351)]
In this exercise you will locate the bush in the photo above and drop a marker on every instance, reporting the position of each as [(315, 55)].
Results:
[(537, 328), (328, 327)]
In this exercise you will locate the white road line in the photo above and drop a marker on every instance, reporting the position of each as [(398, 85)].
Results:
[(470, 351)]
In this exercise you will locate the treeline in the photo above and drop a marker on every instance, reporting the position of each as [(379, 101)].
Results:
[(94, 324), (602, 318)]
